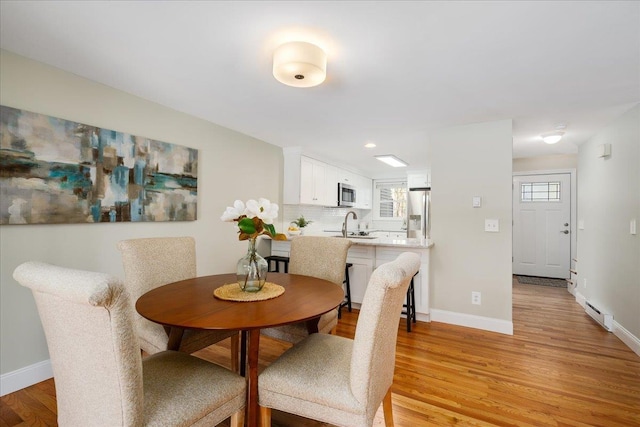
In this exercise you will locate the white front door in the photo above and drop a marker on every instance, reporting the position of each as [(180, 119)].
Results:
[(542, 225)]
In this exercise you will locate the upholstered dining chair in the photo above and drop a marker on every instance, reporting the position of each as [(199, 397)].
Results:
[(320, 257), (341, 381), (153, 262), (100, 377)]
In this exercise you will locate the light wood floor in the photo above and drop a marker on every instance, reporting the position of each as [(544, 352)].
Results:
[(558, 369)]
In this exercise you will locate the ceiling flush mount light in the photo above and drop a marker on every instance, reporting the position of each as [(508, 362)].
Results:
[(300, 64), (552, 138), (392, 160), (369, 145)]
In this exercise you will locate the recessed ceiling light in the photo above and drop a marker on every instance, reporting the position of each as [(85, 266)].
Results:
[(369, 145), (392, 160), (552, 138)]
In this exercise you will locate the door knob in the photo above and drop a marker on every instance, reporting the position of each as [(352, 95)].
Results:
[(565, 231), (566, 224)]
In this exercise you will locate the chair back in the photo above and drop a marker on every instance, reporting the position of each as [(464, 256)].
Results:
[(374, 346), (150, 263), (87, 320), (320, 257)]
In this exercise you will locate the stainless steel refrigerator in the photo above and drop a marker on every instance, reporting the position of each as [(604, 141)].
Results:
[(418, 215)]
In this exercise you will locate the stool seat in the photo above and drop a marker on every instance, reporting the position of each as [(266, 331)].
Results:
[(277, 259)]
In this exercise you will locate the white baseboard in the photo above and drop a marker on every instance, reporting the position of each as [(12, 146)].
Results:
[(626, 337), (472, 321), (581, 299), (25, 377)]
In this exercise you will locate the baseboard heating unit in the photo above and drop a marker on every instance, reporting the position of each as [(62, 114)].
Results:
[(604, 319)]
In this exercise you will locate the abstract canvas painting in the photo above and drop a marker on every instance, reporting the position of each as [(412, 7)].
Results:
[(55, 171)]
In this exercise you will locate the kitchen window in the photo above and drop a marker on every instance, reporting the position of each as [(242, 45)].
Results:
[(390, 200)]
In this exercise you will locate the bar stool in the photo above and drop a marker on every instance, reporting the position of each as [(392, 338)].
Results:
[(410, 306), (277, 259), (347, 287)]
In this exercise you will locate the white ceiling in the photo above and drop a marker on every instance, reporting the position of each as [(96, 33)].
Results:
[(396, 70)]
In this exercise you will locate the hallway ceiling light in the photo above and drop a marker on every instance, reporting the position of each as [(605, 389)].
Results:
[(299, 64), (552, 138), (392, 160)]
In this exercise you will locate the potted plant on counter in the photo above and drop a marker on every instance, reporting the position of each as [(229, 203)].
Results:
[(296, 227)]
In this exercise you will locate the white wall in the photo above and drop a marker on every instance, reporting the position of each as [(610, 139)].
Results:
[(467, 161), (226, 173), (556, 161), (608, 199)]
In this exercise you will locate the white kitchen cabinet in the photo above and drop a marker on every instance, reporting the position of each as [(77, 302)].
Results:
[(419, 179), (362, 258), (280, 248), (346, 177), (331, 186), (308, 181), (364, 195), (312, 182), (420, 281)]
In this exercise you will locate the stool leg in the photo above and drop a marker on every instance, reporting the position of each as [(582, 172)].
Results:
[(408, 310), (348, 288), (286, 267), (413, 301)]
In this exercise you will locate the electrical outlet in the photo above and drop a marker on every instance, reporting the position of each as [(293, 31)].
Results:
[(475, 298), (492, 225)]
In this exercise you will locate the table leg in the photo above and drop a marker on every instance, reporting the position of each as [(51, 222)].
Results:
[(252, 394), (175, 338), (243, 353), (312, 325)]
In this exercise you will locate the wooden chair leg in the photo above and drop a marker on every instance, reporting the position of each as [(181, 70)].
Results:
[(235, 355), (237, 419), (387, 409), (265, 417)]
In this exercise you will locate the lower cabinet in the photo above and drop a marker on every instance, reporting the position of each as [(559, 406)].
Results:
[(420, 281), (366, 258), (362, 259)]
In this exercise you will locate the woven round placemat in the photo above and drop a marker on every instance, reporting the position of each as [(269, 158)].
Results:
[(232, 292)]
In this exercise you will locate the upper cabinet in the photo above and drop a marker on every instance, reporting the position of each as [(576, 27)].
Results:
[(363, 185), (419, 179), (309, 181), (364, 192), (318, 183)]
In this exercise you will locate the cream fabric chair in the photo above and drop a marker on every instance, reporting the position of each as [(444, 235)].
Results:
[(341, 381), (100, 377), (153, 262), (320, 257)]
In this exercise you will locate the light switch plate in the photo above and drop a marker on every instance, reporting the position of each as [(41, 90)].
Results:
[(632, 227), (492, 225), (477, 201), (581, 224)]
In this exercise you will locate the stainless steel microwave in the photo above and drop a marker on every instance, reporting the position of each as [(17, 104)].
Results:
[(346, 195)]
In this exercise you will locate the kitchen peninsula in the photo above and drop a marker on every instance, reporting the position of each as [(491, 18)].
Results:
[(366, 254)]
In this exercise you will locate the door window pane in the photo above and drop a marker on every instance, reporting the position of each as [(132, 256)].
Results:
[(540, 191)]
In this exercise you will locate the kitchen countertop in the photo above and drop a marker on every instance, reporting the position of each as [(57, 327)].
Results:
[(387, 241), (394, 242)]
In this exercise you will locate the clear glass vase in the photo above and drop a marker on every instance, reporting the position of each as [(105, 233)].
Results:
[(252, 269)]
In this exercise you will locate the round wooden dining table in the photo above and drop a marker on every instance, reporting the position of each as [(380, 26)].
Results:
[(190, 304)]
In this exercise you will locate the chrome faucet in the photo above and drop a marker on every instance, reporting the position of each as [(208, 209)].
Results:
[(344, 224)]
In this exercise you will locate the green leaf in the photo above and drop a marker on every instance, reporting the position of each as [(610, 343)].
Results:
[(247, 226), (271, 230)]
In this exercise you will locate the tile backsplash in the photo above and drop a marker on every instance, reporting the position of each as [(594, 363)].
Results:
[(331, 219)]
